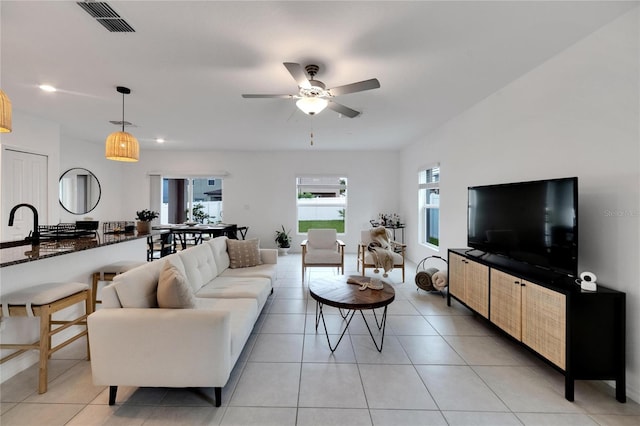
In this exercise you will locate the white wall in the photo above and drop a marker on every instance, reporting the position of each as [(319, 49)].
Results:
[(91, 157), (575, 115), (260, 189), (32, 134)]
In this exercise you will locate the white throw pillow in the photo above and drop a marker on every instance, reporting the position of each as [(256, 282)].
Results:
[(174, 291)]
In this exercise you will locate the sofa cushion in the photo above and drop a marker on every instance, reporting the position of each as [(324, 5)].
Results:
[(220, 254), (266, 270), (109, 297), (199, 265), (173, 289), (243, 253), (321, 256), (237, 288), (322, 239), (137, 287)]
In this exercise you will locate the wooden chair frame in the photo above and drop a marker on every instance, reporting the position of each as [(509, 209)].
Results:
[(340, 266), (362, 251), (45, 312)]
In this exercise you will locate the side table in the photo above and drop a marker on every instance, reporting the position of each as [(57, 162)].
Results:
[(336, 292)]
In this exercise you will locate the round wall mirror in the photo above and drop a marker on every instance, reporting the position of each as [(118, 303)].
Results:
[(79, 191)]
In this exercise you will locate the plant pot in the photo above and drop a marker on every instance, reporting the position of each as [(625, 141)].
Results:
[(143, 227), (283, 251)]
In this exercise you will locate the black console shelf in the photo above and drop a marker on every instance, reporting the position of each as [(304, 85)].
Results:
[(594, 338)]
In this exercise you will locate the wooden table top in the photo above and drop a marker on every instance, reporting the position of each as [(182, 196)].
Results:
[(334, 291)]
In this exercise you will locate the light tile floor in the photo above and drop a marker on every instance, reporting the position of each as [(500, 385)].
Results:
[(439, 365)]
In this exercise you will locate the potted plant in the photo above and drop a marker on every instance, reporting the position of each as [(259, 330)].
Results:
[(283, 241), (144, 218), (199, 215)]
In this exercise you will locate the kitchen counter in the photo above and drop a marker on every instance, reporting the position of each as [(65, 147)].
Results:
[(65, 260), (49, 248)]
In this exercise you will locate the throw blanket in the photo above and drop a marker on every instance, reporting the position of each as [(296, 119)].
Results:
[(440, 280), (381, 250)]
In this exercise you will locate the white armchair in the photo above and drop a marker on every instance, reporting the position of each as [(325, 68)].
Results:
[(366, 258), (322, 248)]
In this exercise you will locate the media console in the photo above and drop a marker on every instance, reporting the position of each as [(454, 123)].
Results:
[(580, 333)]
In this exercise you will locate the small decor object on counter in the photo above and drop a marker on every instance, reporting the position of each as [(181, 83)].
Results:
[(144, 218), (365, 282), (118, 227), (283, 241), (387, 220)]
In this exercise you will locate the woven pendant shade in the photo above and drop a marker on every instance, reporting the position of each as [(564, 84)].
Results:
[(122, 146), (5, 113)]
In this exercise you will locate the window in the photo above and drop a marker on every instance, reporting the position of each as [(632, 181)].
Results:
[(186, 199), (321, 202), (429, 204)]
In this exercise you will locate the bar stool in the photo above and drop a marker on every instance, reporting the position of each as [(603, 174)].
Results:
[(164, 245), (107, 273), (43, 301)]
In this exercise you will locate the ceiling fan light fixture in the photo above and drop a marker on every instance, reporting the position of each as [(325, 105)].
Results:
[(312, 105), (5, 113), (122, 146)]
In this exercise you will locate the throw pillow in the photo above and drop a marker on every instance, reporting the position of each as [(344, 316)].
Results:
[(243, 253), (174, 290)]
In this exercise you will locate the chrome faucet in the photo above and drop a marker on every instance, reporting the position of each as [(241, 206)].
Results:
[(34, 236)]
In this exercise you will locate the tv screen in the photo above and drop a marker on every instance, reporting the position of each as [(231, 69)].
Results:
[(532, 222)]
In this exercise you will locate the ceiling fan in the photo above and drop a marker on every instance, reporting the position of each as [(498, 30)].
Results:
[(313, 96)]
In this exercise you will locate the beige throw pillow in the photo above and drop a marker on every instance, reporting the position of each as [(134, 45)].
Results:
[(243, 253), (174, 291)]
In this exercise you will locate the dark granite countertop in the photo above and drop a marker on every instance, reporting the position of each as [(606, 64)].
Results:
[(49, 248)]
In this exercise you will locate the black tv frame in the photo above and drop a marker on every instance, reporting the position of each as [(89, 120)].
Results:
[(484, 249)]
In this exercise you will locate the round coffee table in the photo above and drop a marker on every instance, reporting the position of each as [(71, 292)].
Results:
[(336, 292)]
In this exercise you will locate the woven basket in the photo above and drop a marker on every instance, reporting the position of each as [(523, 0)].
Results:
[(424, 273)]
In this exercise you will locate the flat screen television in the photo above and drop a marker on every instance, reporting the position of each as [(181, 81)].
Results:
[(531, 222)]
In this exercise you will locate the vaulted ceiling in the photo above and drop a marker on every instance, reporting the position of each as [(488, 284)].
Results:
[(188, 62)]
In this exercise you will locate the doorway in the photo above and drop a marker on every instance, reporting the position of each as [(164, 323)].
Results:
[(24, 180), (191, 200)]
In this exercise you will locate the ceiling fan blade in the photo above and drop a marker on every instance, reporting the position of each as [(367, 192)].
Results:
[(344, 110), (267, 96), (355, 87), (297, 72)]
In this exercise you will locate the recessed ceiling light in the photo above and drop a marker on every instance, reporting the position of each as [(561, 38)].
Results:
[(47, 88), (159, 140)]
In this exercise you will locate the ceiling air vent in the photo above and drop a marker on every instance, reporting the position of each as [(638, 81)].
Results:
[(108, 17)]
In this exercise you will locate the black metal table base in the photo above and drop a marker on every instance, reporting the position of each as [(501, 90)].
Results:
[(348, 315)]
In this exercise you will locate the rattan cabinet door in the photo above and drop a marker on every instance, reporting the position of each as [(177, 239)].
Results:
[(477, 287), (544, 322), (456, 275), (506, 304)]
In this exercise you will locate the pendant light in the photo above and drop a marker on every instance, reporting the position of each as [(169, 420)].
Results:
[(122, 146), (5, 113)]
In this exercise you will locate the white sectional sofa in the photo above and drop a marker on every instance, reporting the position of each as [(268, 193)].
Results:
[(182, 320)]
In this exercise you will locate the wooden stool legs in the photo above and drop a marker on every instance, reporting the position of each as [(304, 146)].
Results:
[(96, 278), (44, 345)]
